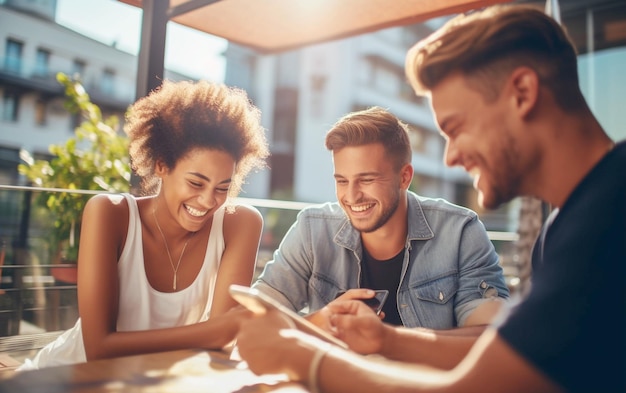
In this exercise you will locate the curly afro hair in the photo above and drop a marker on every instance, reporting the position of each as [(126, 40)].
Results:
[(178, 117)]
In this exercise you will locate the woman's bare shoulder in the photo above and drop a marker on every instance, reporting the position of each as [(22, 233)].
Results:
[(241, 213), (106, 218), (108, 203), (241, 220), (107, 207)]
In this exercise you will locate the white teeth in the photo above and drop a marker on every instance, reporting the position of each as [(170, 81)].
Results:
[(361, 208), (196, 212)]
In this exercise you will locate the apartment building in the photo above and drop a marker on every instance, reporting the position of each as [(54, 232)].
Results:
[(300, 92), (33, 49), (303, 92)]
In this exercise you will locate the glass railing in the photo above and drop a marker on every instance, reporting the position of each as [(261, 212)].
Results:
[(36, 292), (115, 87), (38, 289)]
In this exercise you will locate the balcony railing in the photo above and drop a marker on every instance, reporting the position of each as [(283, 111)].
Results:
[(115, 90), (34, 298)]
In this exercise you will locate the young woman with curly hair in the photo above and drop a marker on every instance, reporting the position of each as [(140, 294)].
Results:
[(154, 270)]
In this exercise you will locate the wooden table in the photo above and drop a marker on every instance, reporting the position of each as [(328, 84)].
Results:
[(183, 371)]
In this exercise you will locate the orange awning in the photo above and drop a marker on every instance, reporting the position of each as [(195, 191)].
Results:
[(277, 25)]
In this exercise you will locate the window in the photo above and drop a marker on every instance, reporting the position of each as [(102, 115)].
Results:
[(9, 159), (241, 71), (108, 81), (13, 56), (10, 106), (78, 69), (42, 61), (386, 79), (40, 112), (599, 33), (287, 69)]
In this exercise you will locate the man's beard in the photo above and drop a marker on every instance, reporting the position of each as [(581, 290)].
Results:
[(384, 217)]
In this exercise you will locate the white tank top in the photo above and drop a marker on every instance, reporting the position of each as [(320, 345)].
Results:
[(141, 306)]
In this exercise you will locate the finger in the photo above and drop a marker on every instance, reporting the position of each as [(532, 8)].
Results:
[(348, 328), (345, 306), (337, 323), (343, 322), (357, 293)]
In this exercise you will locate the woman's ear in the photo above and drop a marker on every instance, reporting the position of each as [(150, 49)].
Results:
[(160, 169)]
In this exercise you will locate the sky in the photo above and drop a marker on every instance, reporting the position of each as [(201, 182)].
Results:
[(195, 54)]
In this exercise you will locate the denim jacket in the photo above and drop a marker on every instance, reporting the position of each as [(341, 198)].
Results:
[(450, 266)]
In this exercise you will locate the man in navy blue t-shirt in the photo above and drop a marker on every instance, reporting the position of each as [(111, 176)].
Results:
[(504, 89)]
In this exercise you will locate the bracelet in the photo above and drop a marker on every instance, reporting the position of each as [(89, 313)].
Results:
[(315, 365)]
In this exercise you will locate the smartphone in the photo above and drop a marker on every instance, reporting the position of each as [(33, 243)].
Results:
[(376, 303), (259, 303)]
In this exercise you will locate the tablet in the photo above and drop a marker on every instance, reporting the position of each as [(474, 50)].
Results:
[(259, 303)]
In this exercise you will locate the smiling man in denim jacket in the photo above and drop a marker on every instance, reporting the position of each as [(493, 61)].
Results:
[(434, 257)]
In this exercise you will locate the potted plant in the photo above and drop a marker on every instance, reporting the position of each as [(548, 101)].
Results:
[(95, 158)]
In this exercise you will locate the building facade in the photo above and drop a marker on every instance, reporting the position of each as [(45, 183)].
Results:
[(301, 93), (33, 49)]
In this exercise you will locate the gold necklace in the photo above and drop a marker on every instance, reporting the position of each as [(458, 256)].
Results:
[(169, 255)]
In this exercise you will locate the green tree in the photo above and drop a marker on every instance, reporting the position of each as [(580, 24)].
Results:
[(95, 158)]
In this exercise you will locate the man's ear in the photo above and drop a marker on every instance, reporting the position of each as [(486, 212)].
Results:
[(406, 176), (524, 84)]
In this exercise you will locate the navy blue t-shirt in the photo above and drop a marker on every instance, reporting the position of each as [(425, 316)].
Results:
[(572, 324), (386, 274)]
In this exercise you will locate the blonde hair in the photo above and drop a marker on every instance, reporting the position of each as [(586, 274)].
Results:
[(486, 46)]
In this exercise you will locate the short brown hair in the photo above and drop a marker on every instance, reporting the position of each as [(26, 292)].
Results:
[(181, 116), (486, 46), (373, 125)]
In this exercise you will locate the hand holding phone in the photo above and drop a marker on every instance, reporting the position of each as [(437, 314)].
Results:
[(376, 303)]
